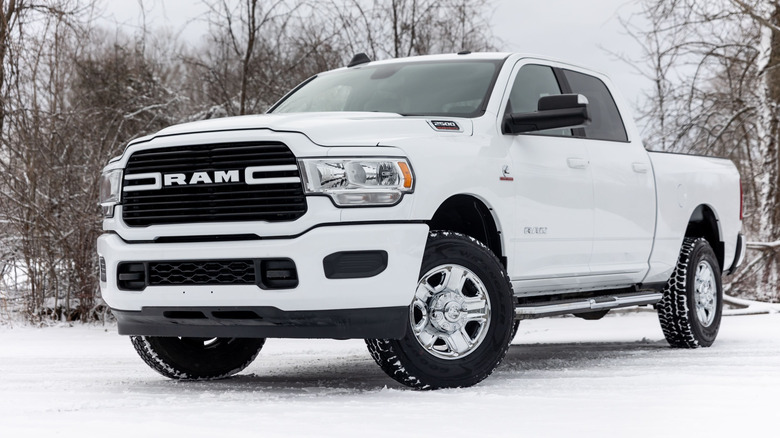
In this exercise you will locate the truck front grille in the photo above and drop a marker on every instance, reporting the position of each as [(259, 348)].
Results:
[(257, 181)]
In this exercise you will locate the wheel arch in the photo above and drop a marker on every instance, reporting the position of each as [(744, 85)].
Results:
[(469, 215), (704, 223)]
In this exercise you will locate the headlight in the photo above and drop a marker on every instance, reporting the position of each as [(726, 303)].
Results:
[(110, 191), (358, 181)]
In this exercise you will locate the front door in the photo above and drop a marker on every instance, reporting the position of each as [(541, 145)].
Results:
[(553, 183)]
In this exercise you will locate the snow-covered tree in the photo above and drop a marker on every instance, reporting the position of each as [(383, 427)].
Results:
[(72, 98)]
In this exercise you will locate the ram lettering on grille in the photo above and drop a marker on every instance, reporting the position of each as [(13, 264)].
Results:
[(212, 183), (214, 177)]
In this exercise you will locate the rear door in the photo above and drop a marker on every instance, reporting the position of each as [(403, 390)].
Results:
[(623, 188)]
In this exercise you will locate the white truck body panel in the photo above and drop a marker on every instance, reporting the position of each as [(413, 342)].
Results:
[(683, 183)]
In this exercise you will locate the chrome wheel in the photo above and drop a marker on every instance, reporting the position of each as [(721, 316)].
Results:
[(451, 312), (460, 321), (705, 293)]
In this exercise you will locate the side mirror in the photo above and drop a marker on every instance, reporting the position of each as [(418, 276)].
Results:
[(559, 111)]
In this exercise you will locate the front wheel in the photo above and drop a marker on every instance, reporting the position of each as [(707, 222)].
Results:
[(196, 358), (460, 322), (692, 302)]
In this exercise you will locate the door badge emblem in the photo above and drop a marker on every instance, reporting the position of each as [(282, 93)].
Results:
[(505, 174)]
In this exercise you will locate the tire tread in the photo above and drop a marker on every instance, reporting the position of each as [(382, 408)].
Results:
[(155, 360), (674, 312)]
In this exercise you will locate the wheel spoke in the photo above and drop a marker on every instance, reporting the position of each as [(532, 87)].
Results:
[(417, 326), (479, 318), (424, 291), (474, 303), (427, 339), (458, 342), (455, 279)]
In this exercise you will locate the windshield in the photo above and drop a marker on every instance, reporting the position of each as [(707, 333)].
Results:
[(435, 88)]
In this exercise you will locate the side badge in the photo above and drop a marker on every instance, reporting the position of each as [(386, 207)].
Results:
[(444, 125), (505, 176)]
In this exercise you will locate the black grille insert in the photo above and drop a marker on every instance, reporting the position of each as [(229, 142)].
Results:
[(265, 273), (102, 269), (202, 272), (208, 183)]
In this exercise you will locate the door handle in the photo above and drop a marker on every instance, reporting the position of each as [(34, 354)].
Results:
[(577, 163), (639, 167)]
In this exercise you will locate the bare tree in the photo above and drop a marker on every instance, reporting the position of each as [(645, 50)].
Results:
[(256, 51), (73, 100), (242, 62), (396, 28), (35, 40), (716, 70)]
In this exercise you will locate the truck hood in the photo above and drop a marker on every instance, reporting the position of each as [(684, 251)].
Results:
[(331, 128)]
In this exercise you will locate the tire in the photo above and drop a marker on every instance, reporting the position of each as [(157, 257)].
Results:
[(460, 322), (692, 303), (515, 326), (196, 358)]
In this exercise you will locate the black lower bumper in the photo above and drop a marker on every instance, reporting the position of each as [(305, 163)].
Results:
[(264, 322)]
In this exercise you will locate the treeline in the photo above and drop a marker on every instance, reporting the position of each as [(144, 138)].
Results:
[(715, 67), (75, 91)]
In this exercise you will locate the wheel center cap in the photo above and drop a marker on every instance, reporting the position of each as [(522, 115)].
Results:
[(447, 314), (452, 311)]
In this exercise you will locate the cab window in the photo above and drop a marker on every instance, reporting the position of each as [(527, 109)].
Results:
[(532, 82), (606, 123)]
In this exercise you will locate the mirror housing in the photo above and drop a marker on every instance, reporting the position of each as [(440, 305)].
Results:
[(558, 111)]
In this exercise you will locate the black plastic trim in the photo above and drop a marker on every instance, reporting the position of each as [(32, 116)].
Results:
[(264, 322), (266, 273), (354, 264), (102, 264), (359, 59), (737, 255)]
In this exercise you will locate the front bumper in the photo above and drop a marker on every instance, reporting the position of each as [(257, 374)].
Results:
[(265, 322), (338, 300)]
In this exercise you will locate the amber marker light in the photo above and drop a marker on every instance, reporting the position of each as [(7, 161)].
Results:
[(407, 174)]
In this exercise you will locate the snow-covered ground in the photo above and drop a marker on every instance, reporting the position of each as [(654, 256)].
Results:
[(562, 377)]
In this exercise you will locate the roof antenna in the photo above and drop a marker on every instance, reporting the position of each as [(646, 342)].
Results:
[(360, 58)]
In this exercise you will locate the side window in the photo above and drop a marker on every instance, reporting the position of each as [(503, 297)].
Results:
[(606, 123), (532, 82)]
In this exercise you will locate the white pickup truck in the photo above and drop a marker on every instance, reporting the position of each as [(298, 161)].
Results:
[(426, 205)]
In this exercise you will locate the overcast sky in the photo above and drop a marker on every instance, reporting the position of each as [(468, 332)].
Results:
[(576, 31)]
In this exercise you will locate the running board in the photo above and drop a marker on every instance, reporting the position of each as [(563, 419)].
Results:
[(595, 304)]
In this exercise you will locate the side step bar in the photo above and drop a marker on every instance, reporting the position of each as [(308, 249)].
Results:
[(538, 310)]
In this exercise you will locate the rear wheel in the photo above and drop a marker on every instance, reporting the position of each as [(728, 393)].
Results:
[(460, 322), (692, 303), (196, 358)]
